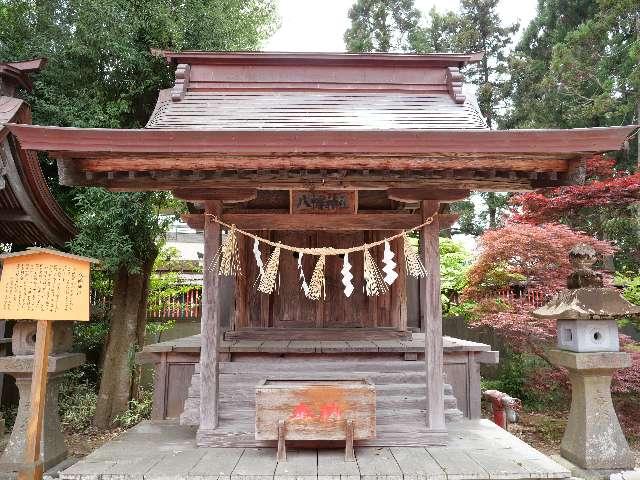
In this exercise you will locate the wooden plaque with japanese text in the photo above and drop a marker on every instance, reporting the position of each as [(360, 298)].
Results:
[(324, 201), (40, 285)]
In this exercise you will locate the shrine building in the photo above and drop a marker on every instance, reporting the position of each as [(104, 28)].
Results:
[(319, 150)]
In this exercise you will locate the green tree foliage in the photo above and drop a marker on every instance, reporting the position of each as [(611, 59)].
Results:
[(102, 73), (577, 66), (533, 104), (383, 26), (455, 261), (481, 31), (117, 239), (441, 33)]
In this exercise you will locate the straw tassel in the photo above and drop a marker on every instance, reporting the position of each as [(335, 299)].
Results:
[(415, 268), (316, 285), (374, 283), (268, 278), (229, 258)]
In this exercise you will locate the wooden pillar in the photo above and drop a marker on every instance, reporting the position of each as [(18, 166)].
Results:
[(33, 467), (432, 317), (210, 323)]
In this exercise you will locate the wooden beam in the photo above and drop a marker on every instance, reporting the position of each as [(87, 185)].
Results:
[(210, 326), (334, 222), (329, 222), (304, 183), (432, 318), (410, 195), (228, 195), (210, 162)]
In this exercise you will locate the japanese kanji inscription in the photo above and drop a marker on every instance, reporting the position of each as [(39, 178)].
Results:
[(42, 286)]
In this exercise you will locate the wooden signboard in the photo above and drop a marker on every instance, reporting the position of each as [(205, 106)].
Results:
[(340, 409), (324, 201), (43, 285), (40, 285)]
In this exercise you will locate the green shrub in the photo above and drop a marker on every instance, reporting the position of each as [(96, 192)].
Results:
[(139, 409), (158, 328), (89, 337), (523, 376), (78, 397)]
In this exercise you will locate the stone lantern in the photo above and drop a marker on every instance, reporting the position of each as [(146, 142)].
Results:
[(20, 366), (588, 347)]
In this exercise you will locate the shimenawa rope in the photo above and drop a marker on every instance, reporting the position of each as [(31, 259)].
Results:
[(320, 250)]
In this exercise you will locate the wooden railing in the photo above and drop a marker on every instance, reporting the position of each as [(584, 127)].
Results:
[(530, 296)]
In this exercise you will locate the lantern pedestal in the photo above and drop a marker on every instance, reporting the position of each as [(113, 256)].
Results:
[(53, 449), (593, 439)]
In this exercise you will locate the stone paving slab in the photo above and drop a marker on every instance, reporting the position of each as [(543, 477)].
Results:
[(477, 450)]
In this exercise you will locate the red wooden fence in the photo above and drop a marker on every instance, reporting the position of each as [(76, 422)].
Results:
[(533, 297), (184, 306), (188, 305)]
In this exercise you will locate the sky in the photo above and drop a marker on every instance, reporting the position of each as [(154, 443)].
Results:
[(319, 25)]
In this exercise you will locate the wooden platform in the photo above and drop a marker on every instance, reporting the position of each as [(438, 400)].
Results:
[(176, 391), (477, 450), (325, 334), (396, 345)]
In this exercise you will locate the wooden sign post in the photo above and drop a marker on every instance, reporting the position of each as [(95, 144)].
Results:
[(43, 285)]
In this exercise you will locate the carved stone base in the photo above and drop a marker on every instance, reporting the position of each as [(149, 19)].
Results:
[(593, 439), (52, 446)]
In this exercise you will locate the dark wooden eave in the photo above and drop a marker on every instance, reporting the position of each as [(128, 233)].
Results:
[(28, 212), (82, 141), (148, 159)]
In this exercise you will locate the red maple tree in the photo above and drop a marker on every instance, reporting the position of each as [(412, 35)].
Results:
[(553, 204), (538, 253)]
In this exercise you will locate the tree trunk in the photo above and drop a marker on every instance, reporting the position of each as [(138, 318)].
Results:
[(142, 323), (490, 200), (126, 334)]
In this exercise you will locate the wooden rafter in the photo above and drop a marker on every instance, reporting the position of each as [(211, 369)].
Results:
[(410, 195), (226, 195)]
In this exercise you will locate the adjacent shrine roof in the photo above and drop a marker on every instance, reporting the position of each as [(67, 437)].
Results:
[(28, 212), (282, 120)]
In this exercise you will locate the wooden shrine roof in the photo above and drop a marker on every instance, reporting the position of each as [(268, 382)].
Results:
[(28, 212), (285, 120), (292, 110)]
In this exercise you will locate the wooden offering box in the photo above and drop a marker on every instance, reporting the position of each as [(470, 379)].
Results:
[(341, 409)]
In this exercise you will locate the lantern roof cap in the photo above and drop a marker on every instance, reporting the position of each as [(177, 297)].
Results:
[(595, 303)]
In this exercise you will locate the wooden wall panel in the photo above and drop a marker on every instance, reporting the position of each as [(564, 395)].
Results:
[(179, 379), (339, 310), (289, 308), (456, 369)]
